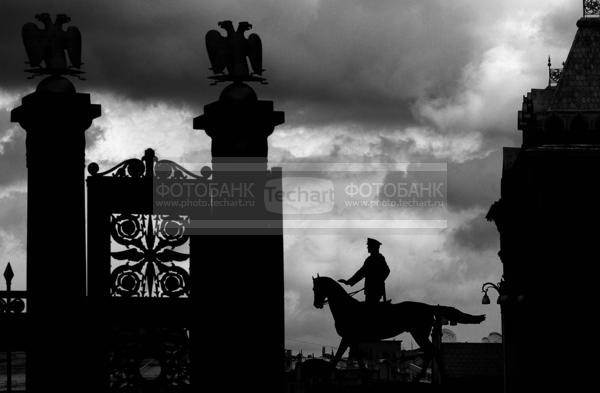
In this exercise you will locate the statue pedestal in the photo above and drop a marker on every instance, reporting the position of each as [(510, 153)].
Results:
[(55, 118)]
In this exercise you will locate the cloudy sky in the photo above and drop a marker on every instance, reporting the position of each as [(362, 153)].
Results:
[(380, 81)]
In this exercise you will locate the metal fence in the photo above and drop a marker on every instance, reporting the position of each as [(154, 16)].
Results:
[(12, 350)]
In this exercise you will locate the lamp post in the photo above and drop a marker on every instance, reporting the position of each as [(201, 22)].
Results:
[(489, 285), (502, 298)]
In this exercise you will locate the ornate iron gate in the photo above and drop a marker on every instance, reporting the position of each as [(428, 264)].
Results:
[(139, 267)]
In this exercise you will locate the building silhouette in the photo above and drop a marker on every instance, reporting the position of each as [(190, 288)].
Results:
[(547, 217), (472, 367)]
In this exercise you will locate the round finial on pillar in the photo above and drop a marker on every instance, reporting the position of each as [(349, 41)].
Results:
[(55, 84), (238, 92), (93, 169), (206, 172)]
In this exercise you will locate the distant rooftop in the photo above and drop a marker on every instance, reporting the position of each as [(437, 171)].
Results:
[(567, 111), (579, 84)]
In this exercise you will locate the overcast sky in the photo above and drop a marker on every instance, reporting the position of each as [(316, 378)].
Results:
[(360, 81)]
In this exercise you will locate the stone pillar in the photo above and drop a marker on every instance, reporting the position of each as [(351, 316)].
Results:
[(245, 276), (55, 118), (239, 125)]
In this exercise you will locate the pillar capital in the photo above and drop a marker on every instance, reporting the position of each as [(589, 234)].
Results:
[(55, 106), (239, 123)]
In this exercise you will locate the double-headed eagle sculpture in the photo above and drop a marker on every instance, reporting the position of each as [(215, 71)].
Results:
[(230, 53), (48, 46)]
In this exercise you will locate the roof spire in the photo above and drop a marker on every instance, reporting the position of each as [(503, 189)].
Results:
[(591, 8)]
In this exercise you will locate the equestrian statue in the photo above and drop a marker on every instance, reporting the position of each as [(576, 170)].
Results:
[(358, 322)]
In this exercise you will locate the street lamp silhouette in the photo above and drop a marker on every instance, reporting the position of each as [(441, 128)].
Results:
[(486, 287), (501, 299)]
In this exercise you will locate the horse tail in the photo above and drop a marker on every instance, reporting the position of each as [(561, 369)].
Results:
[(455, 316)]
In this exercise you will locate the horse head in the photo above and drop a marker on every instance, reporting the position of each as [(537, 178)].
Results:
[(319, 291)]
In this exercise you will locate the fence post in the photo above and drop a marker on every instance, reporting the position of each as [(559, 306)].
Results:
[(8, 276)]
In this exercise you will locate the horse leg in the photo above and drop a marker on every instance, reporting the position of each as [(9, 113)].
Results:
[(422, 339), (344, 344)]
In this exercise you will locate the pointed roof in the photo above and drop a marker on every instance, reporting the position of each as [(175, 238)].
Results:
[(579, 85)]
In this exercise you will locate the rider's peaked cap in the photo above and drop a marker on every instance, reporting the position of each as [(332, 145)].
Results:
[(373, 241)]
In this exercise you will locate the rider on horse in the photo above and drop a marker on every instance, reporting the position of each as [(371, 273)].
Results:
[(375, 270)]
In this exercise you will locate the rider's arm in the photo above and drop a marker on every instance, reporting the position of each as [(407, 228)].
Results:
[(359, 275)]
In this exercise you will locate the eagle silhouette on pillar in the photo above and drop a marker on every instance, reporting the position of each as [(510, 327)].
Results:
[(48, 46), (231, 53)]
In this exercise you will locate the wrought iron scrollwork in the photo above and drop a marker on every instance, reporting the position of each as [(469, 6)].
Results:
[(149, 166), (554, 74), (151, 246), (591, 7), (12, 306), (150, 359), (165, 169)]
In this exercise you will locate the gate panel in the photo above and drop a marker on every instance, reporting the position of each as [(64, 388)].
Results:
[(139, 272)]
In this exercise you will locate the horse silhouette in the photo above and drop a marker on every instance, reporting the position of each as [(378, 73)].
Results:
[(357, 322)]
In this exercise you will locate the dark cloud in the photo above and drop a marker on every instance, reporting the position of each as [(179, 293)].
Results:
[(331, 61), (476, 234), (474, 183), (344, 62)]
